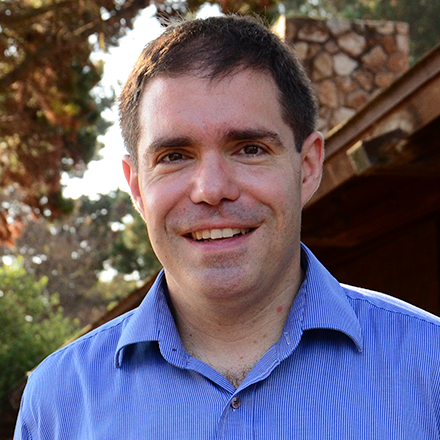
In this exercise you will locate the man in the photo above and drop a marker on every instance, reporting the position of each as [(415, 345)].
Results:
[(244, 334)]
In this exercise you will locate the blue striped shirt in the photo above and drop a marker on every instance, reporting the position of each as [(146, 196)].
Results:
[(350, 364)]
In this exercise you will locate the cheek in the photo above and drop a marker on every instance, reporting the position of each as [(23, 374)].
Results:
[(280, 189), (160, 198)]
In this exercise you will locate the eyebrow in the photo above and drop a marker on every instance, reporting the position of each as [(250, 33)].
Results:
[(230, 135), (253, 134), (167, 142)]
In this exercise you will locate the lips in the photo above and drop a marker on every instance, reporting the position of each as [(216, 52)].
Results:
[(217, 234)]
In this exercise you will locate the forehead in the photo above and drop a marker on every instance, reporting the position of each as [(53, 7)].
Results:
[(239, 98), (243, 78)]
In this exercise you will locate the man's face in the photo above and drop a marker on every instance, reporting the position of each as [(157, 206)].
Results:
[(220, 183)]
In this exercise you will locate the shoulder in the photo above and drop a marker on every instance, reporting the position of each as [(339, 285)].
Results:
[(96, 347), (369, 304), (64, 382)]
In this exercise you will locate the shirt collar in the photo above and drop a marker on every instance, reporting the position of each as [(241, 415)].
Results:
[(151, 319), (326, 305), (320, 303)]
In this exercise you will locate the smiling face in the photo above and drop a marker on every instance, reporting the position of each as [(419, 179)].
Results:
[(221, 185)]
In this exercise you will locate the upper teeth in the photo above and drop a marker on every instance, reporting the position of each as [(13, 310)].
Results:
[(214, 234)]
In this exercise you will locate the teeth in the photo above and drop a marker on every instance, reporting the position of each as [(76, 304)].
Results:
[(227, 232), (215, 234)]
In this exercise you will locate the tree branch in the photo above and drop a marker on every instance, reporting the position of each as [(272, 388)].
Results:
[(36, 58), (27, 14)]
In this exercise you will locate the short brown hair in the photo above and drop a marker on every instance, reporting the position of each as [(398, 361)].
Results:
[(214, 48)]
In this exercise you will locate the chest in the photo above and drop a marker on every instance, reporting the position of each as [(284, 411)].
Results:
[(299, 399)]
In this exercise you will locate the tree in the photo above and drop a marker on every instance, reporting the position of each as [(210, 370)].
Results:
[(105, 236), (49, 116), (132, 252), (31, 321)]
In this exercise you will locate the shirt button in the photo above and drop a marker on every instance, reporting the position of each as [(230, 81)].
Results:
[(235, 402)]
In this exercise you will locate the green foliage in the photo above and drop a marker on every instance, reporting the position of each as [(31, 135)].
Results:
[(49, 117), (129, 250), (100, 235), (132, 251), (31, 322), (106, 294)]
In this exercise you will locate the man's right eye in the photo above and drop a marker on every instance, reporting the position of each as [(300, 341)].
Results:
[(172, 157)]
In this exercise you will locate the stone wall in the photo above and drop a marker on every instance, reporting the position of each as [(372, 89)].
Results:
[(348, 62)]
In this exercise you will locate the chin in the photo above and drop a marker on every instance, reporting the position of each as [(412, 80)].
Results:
[(219, 284)]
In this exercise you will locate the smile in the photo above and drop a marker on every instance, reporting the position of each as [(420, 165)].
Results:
[(216, 234)]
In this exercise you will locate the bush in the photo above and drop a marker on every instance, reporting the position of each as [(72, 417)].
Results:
[(32, 324)]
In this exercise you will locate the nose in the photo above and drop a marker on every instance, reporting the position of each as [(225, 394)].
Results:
[(214, 181)]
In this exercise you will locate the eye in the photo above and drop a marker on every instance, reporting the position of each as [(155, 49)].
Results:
[(172, 157), (252, 150)]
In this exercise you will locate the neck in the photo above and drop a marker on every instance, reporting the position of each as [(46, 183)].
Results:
[(232, 335)]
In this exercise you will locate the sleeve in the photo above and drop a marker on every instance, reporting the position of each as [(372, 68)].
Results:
[(435, 387), (21, 429), (28, 425)]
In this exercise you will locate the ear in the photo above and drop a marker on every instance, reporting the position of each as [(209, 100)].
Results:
[(312, 158), (132, 177)]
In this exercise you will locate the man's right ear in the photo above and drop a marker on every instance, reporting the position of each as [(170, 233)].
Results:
[(132, 178)]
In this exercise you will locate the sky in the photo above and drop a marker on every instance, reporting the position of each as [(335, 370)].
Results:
[(105, 175)]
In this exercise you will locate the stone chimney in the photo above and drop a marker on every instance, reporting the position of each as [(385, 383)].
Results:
[(348, 62)]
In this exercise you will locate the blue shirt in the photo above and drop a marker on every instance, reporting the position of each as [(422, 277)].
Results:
[(350, 364)]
